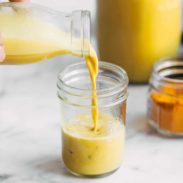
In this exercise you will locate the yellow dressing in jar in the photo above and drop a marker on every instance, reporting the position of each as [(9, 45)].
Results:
[(93, 153), (39, 41)]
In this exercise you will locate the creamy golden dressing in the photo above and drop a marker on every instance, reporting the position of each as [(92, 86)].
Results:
[(88, 152), (32, 40), (92, 64)]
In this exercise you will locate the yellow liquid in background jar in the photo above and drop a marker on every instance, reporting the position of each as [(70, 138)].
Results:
[(92, 144), (134, 34), (34, 40)]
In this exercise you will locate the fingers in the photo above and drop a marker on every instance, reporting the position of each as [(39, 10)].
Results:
[(19, 9), (2, 53), (19, 0)]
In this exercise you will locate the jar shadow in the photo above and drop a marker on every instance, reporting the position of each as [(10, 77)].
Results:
[(57, 167), (139, 124), (53, 166)]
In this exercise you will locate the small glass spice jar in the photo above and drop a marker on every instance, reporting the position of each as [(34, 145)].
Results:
[(165, 98), (86, 152)]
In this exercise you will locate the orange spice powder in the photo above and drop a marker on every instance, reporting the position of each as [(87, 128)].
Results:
[(166, 109)]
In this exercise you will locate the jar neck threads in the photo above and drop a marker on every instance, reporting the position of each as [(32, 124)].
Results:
[(74, 85), (169, 72)]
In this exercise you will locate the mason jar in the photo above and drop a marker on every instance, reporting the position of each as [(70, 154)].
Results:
[(165, 98), (86, 152)]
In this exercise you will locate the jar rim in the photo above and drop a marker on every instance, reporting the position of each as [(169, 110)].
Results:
[(116, 68), (167, 67), (112, 83)]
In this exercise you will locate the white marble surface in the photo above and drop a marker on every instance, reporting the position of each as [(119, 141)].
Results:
[(30, 128), (30, 134)]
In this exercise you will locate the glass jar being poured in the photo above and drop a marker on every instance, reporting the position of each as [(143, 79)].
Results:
[(32, 33)]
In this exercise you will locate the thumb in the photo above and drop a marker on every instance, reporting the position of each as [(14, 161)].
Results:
[(2, 53), (19, 0)]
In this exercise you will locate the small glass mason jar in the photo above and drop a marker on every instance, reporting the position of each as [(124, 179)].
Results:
[(86, 152), (165, 99)]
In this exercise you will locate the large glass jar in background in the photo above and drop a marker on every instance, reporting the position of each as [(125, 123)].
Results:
[(135, 33), (84, 151)]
